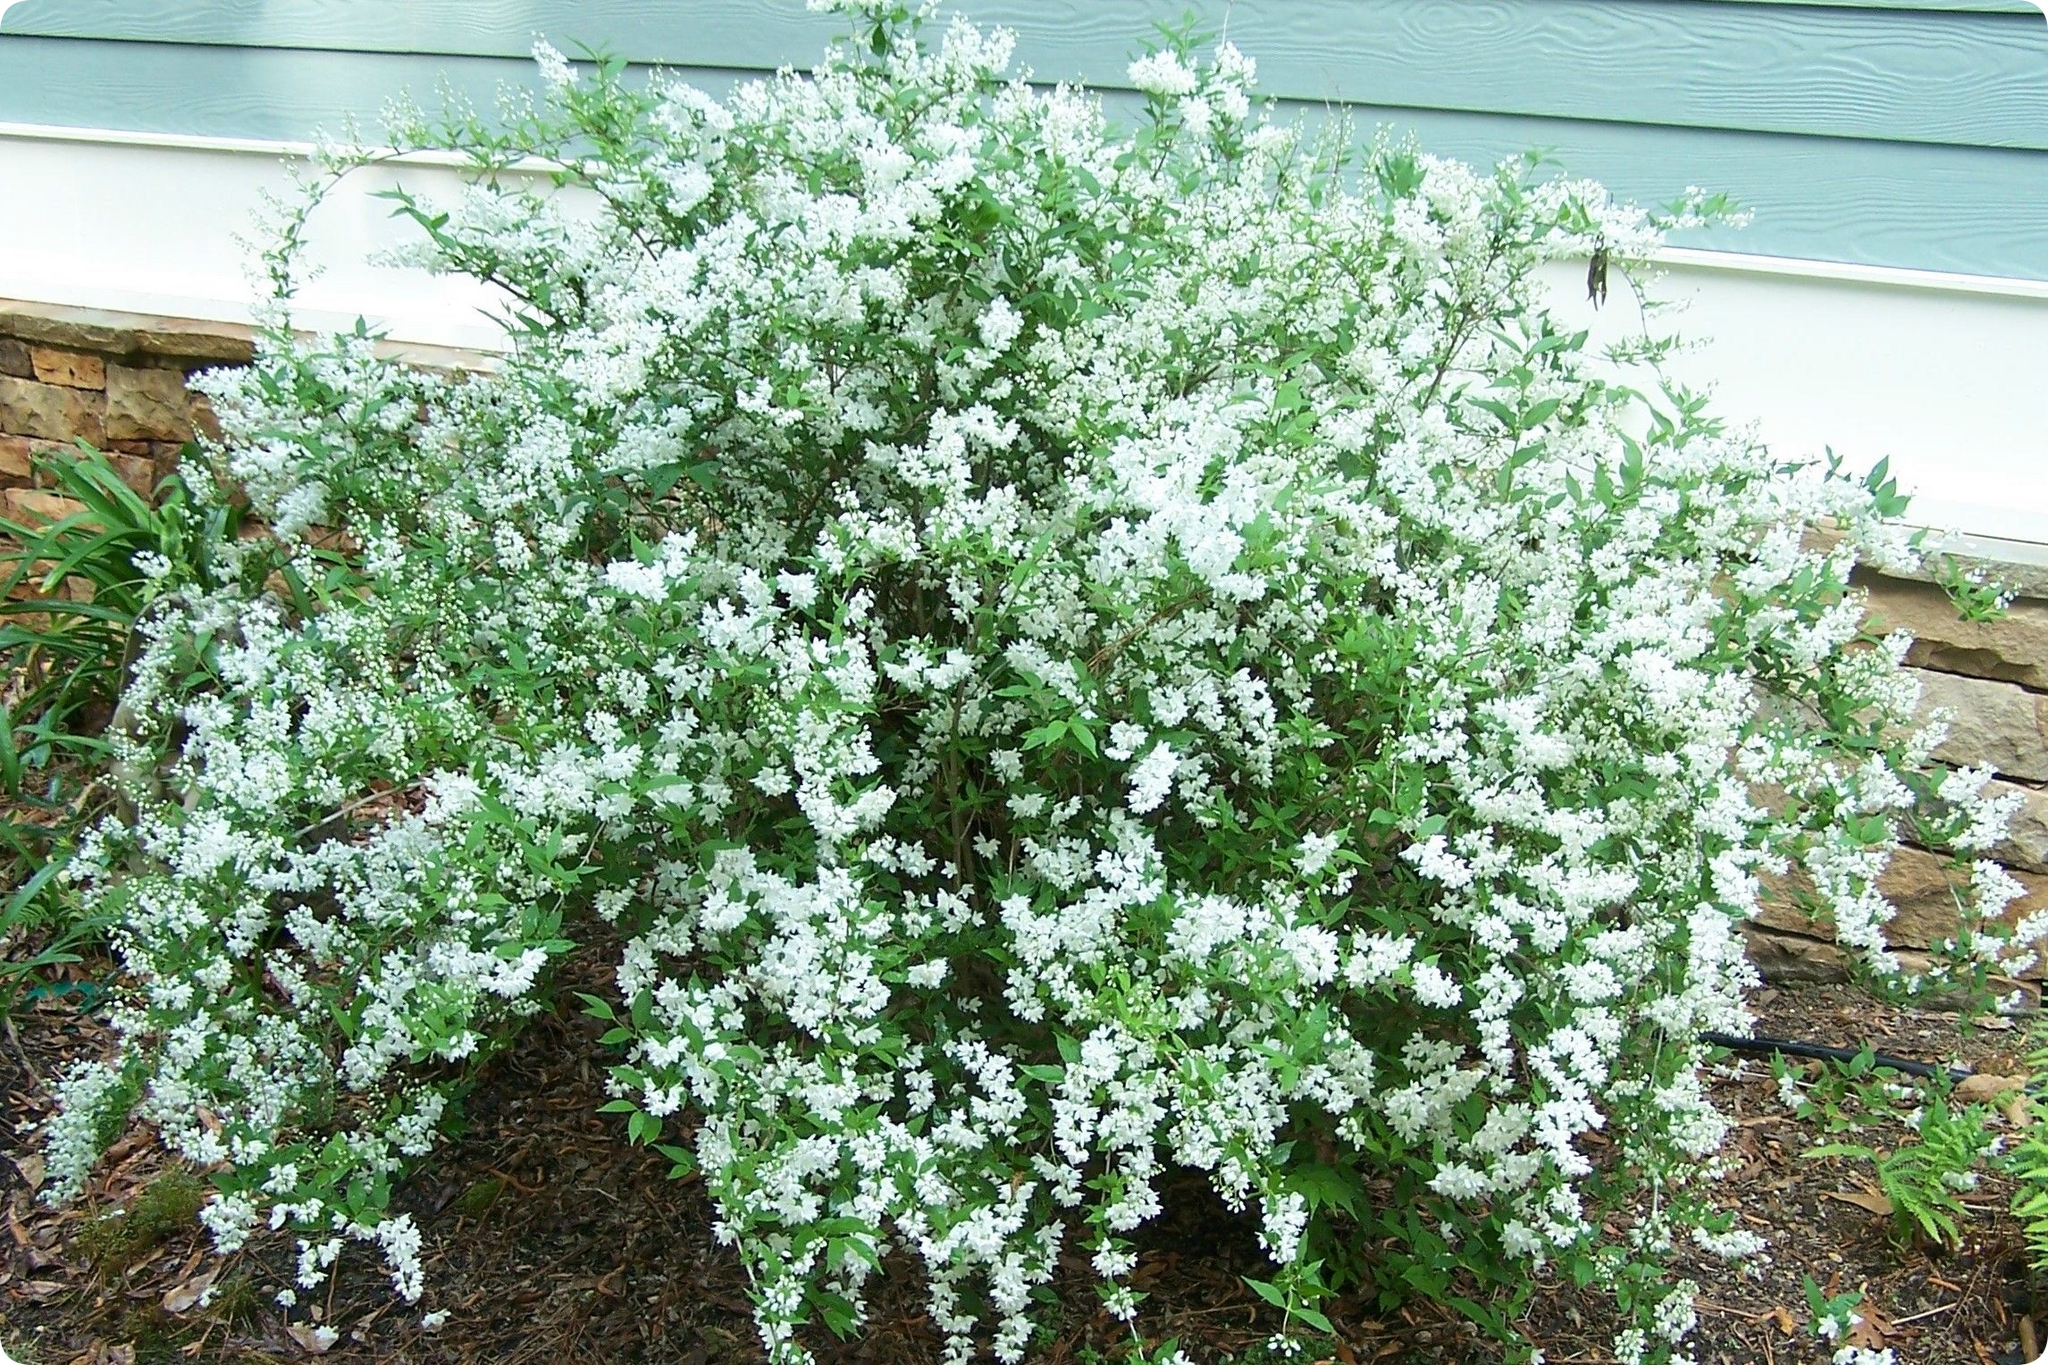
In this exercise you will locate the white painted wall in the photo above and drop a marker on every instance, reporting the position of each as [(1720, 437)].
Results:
[(162, 226), (1947, 375)]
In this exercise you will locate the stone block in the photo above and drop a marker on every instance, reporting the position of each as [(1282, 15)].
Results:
[(1922, 890), (147, 405), (72, 369), (1998, 725), (2024, 574), (17, 456), (2025, 846), (203, 418), (31, 448), (2014, 649), (137, 471), (140, 464), (1777, 909), (121, 334), (32, 505), (1793, 958), (51, 411), (14, 359), (1925, 892)]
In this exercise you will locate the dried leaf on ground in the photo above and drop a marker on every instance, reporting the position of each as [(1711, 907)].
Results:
[(1874, 1200), (312, 1338), (183, 1297)]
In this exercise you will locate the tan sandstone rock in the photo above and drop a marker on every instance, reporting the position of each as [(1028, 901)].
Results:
[(1922, 889), (32, 505), (1998, 725), (72, 369), (51, 411), (1925, 891), (2025, 846), (17, 455), (1794, 958), (2014, 648), (147, 405)]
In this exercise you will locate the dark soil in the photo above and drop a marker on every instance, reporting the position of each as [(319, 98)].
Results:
[(548, 1239)]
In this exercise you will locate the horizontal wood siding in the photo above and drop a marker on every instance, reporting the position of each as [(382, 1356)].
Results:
[(1971, 79), (1934, 6), (1870, 131)]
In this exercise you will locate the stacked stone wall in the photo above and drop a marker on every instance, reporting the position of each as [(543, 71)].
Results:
[(113, 380), (1991, 677)]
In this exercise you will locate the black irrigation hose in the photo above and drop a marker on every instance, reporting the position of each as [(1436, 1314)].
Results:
[(1790, 1048)]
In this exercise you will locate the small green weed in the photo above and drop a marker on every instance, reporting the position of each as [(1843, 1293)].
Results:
[(478, 1199), (2027, 1163), (1294, 1350), (71, 592), (236, 1300), (170, 1203), (1843, 1097), (1834, 1315), (1922, 1179)]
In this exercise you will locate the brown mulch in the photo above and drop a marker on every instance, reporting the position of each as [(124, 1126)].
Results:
[(548, 1239)]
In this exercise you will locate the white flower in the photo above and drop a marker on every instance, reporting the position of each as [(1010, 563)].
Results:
[(1434, 987), (1456, 1181), (555, 70), (1316, 851), (1000, 325), (1162, 75), (1151, 778)]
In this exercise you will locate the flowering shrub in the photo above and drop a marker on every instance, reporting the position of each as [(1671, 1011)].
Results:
[(1061, 654)]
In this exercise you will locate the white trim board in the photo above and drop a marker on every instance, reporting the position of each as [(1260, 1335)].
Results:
[(1939, 372), (1681, 257)]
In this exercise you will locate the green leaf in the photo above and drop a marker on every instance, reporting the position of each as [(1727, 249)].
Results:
[(1499, 409), (1488, 1317), (682, 1161), (1324, 1186), (1313, 1318)]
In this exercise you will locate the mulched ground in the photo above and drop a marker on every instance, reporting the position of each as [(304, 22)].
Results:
[(549, 1240)]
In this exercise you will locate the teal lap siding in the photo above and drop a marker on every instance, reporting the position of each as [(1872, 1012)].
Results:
[(1877, 132)]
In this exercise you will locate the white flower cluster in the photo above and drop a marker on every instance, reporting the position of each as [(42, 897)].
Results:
[(1061, 655)]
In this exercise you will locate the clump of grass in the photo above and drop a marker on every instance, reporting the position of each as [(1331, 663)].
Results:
[(155, 1339), (476, 1201), (17, 1349), (168, 1204), (235, 1299)]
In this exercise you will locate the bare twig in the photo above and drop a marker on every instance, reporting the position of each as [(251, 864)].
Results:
[(1932, 1312)]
